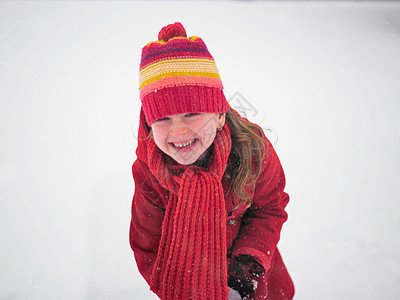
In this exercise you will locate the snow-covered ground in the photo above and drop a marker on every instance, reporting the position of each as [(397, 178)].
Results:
[(322, 77)]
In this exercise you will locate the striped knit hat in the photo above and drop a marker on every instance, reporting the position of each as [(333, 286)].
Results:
[(179, 75)]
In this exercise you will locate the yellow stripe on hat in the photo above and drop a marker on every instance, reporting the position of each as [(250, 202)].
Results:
[(176, 63), (169, 67), (179, 74)]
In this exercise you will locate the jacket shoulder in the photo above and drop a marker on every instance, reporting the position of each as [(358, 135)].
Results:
[(147, 184)]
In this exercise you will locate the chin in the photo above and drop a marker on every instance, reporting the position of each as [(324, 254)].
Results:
[(185, 162), (186, 158)]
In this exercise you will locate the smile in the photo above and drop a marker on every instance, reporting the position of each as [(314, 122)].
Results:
[(184, 145)]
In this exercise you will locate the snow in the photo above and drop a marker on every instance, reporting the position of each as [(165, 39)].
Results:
[(321, 77)]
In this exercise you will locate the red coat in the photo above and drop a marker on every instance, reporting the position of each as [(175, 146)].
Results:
[(254, 231)]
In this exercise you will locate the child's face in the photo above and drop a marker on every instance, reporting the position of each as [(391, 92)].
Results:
[(186, 137)]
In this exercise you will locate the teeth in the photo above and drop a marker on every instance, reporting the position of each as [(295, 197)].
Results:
[(184, 145)]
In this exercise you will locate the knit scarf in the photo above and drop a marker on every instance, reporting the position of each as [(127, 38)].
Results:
[(191, 261)]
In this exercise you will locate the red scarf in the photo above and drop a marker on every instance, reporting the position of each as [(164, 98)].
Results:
[(191, 261)]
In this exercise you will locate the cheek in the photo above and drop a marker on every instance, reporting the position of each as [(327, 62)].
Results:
[(159, 135), (207, 134), (209, 138)]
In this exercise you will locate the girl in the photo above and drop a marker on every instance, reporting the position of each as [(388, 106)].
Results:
[(209, 196)]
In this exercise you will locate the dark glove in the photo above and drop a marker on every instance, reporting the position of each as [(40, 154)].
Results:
[(243, 273)]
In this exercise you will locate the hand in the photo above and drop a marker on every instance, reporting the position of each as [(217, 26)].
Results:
[(243, 273), (233, 295)]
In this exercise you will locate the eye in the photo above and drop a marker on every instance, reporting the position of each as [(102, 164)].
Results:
[(162, 119), (191, 114)]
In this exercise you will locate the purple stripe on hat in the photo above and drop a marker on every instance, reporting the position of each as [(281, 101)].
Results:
[(164, 51), (187, 46)]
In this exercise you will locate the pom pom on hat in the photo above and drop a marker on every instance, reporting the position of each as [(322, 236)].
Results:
[(170, 31)]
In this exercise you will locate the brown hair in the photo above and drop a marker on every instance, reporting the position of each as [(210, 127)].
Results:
[(246, 157)]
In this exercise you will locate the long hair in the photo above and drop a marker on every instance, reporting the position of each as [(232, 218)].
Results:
[(246, 157)]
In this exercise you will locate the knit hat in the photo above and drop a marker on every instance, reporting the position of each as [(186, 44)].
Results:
[(178, 75)]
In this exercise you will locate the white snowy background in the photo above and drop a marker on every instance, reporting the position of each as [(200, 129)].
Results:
[(323, 77)]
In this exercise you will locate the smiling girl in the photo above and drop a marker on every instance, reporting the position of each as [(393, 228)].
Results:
[(209, 200), (186, 137)]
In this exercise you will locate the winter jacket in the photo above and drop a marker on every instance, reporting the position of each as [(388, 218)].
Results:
[(253, 231)]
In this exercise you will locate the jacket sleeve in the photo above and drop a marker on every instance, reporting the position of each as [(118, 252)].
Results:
[(262, 222), (147, 217)]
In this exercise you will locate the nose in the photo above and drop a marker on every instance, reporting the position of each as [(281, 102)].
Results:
[(178, 128)]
